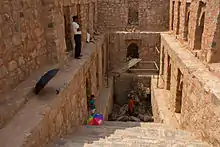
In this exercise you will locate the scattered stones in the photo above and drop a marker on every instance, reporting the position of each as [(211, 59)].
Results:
[(142, 109)]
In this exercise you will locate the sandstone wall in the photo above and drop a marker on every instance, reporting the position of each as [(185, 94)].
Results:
[(119, 42), (200, 99), (35, 34), (147, 15), (188, 17), (49, 115), (23, 43)]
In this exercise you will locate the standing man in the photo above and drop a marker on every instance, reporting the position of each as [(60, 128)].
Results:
[(77, 37)]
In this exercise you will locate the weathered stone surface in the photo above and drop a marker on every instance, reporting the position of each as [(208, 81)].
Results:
[(198, 97), (52, 114), (145, 41), (145, 15), (34, 33), (186, 18), (123, 134)]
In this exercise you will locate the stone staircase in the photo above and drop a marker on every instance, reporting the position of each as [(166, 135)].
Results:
[(129, 134)]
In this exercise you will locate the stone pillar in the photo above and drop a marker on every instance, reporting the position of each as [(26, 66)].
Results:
[(55, 32), (162, 65)]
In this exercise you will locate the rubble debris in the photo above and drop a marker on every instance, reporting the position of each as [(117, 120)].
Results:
[(142, 110)]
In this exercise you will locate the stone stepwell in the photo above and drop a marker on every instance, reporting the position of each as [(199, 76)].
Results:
[(129, 134)]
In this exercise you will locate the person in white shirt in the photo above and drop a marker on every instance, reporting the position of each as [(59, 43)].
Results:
[(77, 37)]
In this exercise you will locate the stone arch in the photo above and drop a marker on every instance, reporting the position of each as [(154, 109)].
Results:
[(187, 17), (132, 51), (199, 31), (199, 26), (187, 26), (178, 19)]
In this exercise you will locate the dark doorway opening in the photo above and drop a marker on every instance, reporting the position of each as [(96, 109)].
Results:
[(132, 51)]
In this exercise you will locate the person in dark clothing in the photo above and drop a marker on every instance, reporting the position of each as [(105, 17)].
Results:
[(77, 37)]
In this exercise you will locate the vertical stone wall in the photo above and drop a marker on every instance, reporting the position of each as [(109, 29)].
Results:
[(23, 44), (145, 41), (187, 32), (193, 90), (34, 34), (152, 15)]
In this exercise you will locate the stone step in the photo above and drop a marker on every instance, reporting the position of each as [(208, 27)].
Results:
[(133, 143), (150, 143), (154, 132), (129, 134), (134, 124), (117, 138), (127, 138), (150, 131)]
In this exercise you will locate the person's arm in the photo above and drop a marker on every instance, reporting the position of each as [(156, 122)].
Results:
[(79, 29)]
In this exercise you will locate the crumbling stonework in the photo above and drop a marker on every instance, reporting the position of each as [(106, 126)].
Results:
[(114, 15), (185, 70), (33, 34), (49, 115), (196, 24), (197, 100), (145, 41)]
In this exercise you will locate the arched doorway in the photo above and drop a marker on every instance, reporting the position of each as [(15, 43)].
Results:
[(187, 27), (132, 51), (200, 26), (199, 33)]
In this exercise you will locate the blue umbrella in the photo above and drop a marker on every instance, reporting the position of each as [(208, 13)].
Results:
[(45, 79)]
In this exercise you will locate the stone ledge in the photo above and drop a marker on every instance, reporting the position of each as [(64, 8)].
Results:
[(192, 67), (201, 94), (160, 106), (48, 115), (17, 98)]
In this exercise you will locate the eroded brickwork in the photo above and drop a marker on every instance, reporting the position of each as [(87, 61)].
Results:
[(195, 23), (23, 41), (194, 98), (34, 34), (145, 41), (114, 15), (187, 72)]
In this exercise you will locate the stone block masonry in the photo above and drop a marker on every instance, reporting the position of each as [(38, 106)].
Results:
[(34, 34), (194, 90), (48, 115), (23, 44), (120, 41), (145, 15), (196, 24)]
